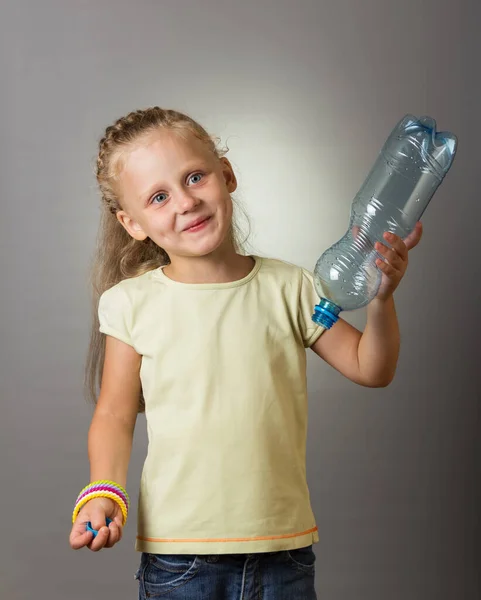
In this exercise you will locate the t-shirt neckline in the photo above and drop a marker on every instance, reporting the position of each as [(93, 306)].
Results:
[(161, 276)]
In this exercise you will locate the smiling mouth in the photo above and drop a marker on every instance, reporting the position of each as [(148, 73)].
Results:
[(198, 225)]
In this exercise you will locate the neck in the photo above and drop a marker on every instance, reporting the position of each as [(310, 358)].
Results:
[(221, 266)]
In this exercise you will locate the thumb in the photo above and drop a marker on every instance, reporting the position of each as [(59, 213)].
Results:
[(79, 537), (98, 518), (414, 237)]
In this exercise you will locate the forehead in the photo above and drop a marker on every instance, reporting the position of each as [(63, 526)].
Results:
[(163, 152)]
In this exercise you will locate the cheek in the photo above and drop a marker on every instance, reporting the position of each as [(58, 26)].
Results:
[(163, 222), (228, 207)]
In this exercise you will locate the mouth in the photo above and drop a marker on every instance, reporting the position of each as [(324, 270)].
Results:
[(197, 224)]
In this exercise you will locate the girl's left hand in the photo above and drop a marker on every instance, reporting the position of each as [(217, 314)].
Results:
[(395, 262)]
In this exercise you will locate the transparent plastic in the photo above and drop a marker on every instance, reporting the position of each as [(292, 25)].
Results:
[(410, 167)]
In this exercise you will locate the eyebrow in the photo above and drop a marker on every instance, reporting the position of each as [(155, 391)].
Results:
[(199, 164), (148, 193)]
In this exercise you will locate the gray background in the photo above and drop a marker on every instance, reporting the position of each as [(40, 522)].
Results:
[(304, 93)]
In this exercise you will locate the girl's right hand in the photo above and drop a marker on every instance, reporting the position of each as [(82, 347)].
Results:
[(96, 511)]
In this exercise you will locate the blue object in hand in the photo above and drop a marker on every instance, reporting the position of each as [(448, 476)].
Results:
[(89, 527)]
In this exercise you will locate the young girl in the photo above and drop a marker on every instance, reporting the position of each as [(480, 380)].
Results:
[(211, 343)]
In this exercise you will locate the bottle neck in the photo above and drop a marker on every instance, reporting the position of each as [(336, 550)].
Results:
[(326, 313)]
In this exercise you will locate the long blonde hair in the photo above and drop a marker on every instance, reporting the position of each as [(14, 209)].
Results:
[(117, 255)]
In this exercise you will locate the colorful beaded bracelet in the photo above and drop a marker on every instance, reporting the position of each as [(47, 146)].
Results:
[(103, 489), (105, 483)]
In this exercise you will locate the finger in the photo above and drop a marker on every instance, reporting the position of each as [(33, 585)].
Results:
[(99, 520), (414, 237), (114, 535), (100, 539), (119, 520), (79, 537), (390, 255), (387, 269), (120, 525), (397, 244)]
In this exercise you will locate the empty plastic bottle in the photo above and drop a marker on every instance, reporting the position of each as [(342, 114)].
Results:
[(410, 167)]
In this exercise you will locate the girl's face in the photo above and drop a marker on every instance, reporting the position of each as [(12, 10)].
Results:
[(168, 184)]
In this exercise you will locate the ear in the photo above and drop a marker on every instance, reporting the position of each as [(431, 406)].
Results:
[(229, 175), (131, 226)]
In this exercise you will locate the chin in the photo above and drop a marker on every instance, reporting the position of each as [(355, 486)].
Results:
[(206, 247), (209, 243)]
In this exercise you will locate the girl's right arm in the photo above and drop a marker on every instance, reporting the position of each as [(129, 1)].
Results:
[(110, 443)]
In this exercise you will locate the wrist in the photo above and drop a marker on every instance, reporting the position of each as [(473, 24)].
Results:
[(103, 489), (378, 303)]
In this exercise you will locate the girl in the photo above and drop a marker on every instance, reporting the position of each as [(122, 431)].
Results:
[(211, 344)]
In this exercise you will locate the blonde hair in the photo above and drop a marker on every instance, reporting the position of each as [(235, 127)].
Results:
[(117, 255)]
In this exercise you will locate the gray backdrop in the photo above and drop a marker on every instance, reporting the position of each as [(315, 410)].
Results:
[(304, 93)]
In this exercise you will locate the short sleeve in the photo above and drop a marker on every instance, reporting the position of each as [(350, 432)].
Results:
[(114, 312), (308, 298)]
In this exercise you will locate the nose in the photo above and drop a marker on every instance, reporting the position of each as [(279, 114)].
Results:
[(186, 200)]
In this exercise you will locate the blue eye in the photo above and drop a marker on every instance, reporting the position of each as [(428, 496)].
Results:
[(196, 175), (158, 196)]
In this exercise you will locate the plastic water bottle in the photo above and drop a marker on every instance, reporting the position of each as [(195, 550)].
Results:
[(410, 167)]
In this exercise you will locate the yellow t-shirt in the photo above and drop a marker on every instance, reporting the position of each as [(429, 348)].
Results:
[(224, 380)]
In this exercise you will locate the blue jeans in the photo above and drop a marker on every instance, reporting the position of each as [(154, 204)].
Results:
[(284, 575)]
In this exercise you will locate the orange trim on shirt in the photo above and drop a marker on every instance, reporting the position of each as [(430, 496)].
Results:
[(253, 539)]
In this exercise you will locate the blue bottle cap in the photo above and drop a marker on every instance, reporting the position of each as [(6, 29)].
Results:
[(326, 313), (89, 527)]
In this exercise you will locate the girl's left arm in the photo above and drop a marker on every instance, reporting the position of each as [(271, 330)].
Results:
[(370, 358)]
